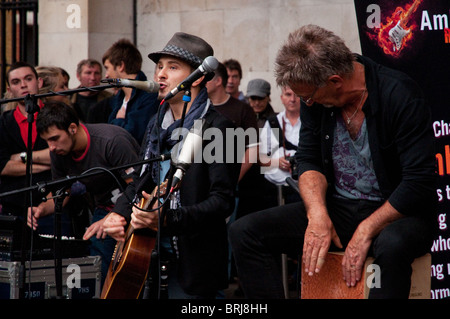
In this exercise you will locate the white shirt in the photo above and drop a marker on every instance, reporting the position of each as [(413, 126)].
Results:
[(271, 146)]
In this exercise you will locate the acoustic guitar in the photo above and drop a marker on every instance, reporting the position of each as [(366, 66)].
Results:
[(131, 259)]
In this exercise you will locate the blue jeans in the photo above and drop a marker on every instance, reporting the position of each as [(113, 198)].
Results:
[(258, 240), (102, 247)]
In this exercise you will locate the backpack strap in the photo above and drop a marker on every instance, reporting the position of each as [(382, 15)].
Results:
[(275, 125)]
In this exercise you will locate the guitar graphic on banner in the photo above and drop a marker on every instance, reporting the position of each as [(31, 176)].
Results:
[(398, 33)]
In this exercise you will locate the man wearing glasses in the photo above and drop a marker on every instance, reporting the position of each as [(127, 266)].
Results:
[(366, 169)]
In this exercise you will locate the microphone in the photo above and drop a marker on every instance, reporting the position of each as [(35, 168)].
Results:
[(208, 65), (192, 147), (148, 86)]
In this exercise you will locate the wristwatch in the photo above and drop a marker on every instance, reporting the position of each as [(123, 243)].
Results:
[(23, 157)]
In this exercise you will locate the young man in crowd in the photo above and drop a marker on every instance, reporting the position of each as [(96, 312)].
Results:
[(22, 80)]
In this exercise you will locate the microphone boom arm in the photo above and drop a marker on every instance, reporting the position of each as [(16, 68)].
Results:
[(43, 186), (67, 92)]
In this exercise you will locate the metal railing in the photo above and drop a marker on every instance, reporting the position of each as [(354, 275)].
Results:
[(18, 35)]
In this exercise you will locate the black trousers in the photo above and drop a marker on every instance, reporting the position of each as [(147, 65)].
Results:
[(258, 240)]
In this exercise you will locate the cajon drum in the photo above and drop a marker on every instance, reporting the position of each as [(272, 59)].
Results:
[(329, 284)]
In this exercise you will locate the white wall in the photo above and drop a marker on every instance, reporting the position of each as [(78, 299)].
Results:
[(250, 31), (73, 30)]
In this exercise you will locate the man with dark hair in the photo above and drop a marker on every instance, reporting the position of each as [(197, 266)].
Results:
[(76, 148), (193, 234), (131, 108), (237, 111), (234, 79), (251, 180), (22, 80), (18, 65)]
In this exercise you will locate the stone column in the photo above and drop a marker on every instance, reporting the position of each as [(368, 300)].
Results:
[(70, 31)]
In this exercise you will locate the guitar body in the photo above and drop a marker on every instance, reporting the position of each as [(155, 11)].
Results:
[(131, 259), (127, 274), (397, 35)]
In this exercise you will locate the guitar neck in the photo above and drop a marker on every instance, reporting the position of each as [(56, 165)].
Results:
[(146, 203), (411, 10)]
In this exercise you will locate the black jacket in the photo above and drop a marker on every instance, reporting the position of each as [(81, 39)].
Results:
[(400, 137)]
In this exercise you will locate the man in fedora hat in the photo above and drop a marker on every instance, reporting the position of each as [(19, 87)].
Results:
[(193, 235)]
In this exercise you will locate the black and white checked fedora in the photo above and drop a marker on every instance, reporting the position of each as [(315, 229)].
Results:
[(187, 47)]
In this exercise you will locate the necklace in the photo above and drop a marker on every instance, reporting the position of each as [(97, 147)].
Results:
[(350, 118)]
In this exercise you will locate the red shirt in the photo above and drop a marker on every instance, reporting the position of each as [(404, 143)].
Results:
[(22, 121), (82, 156)]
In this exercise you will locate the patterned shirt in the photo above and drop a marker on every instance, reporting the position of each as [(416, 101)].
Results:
[(354, 173)]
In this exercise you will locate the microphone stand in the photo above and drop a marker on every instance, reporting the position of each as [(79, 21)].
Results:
[(42, 187), (156, 268), (31, 108), (186, 99), (159, 268), (58, 197), (67, 92)]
